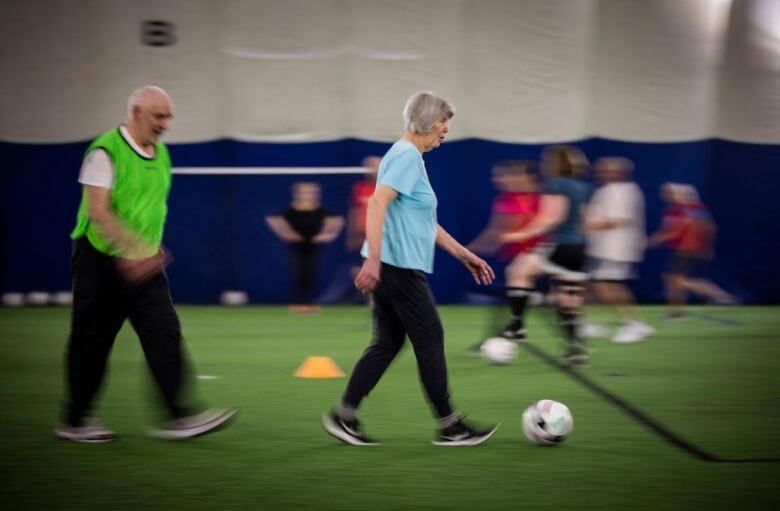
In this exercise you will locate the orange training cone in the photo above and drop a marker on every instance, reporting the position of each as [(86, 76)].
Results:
[(319, 367)]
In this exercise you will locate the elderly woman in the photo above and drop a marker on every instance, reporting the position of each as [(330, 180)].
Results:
[(401, 235)]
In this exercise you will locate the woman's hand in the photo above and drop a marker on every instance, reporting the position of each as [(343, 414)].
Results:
[(479, 269), (367, 278)]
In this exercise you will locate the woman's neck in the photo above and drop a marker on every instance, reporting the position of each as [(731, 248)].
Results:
[(416, 140)]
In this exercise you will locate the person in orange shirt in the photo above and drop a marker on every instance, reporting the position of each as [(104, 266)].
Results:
[(688, 231)]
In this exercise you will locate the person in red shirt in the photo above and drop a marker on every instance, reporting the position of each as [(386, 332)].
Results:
[(516, 204), (688, 231), (358, 206), (356, 217)]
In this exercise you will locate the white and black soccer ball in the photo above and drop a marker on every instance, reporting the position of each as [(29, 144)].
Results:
[(547, 422), (498, 350)]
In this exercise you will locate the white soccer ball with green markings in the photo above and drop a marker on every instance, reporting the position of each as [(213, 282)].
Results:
[(547, 422)]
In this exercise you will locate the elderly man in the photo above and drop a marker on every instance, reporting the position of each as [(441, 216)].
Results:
[(616, 240), (117, 267)]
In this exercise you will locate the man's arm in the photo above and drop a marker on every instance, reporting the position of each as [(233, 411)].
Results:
[(124, 241), (606, 224), (136, 259), (618, 205)]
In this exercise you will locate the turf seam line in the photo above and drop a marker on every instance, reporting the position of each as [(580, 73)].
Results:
[(716, 319), (637, 414)]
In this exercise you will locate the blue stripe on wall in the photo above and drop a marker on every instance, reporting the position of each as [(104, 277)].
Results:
[(216, 224)]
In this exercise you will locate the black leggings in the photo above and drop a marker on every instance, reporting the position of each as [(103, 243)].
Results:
[(403, 305), (304, 272)]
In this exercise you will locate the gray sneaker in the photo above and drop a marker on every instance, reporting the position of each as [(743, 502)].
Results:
[(91, 431), (191, 426)]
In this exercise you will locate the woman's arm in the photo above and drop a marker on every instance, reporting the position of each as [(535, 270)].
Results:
[(479, 269), (331, 228), (552, 211), (368, 277), (282, 228)]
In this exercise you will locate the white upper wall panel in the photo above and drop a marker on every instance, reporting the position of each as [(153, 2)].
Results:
[(655, 68), (528, 71), (749, 106), (68, 67)]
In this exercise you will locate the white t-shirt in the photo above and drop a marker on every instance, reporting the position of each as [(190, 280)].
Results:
[(618, 201), (97, 168)]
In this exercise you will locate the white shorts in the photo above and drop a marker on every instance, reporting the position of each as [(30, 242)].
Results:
[(606, 270)]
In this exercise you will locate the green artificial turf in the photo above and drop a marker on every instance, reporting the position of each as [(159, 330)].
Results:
[(712, 379)]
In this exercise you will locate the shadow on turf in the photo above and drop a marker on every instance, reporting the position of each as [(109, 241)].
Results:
[(637, 414)]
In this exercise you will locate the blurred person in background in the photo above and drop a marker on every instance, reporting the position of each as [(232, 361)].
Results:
[(688, 231), (516, 204), (616, 240), (358, 210), (561, 219), (118, 273), (401, 235), (305, 225)]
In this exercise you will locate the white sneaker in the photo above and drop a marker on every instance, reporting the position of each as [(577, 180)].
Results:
[(195, 425), (634, 331), (589, 330), (91, 431)]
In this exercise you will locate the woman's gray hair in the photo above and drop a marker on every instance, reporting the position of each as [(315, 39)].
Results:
[(423, 109)]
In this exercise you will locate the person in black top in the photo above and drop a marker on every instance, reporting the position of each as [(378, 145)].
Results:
[(304, 225)]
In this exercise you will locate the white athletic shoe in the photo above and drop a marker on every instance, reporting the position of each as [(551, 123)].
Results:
[(589, 330), (91, 431), (634, 331), (199, 424)]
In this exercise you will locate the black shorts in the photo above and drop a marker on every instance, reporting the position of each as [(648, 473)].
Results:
[(569, 257), (681, 263), (563, 261)]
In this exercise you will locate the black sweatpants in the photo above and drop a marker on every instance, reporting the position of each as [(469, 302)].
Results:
[(101, 303), (403, 305), (304, 271)]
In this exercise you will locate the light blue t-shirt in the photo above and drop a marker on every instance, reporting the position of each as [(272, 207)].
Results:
[(409, 232)]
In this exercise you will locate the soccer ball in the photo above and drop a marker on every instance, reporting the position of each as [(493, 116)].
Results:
[(547, 422), (498, 350)]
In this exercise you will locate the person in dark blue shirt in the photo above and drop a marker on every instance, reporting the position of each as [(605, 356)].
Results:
[(560, 218)]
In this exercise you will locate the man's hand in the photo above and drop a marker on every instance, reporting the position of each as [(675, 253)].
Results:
[(368, 277), (137, 271)]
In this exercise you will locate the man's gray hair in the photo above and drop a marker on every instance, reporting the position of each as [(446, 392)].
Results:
[(423, 109), (136, 97), (617, 162)]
